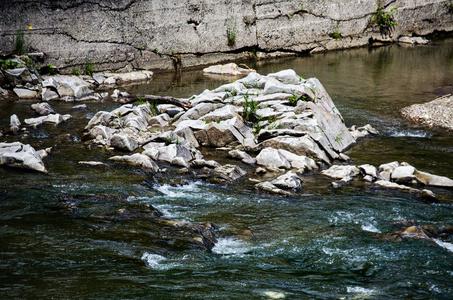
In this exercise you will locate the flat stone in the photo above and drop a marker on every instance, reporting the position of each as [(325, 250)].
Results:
[(25, 93)]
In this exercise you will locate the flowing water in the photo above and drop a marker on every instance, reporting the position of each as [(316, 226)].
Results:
[(321, 244)]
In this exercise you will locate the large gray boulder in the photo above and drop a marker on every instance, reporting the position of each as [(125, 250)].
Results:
[(299, 162), (403, 174), (123, 142), (303, 145), (102, 118), (175, 154), (198, 111), (221, 114), (18, 155), (228, 173), (289, 180), (433, 180), (19, 76), (14, 121), (272, 159), (225, 133)]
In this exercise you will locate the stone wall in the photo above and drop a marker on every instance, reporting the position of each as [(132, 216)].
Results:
[(143, 34)]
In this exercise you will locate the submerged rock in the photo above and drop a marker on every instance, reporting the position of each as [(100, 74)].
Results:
[(227, 69), (115, 218), (137, 159), (43, 108)]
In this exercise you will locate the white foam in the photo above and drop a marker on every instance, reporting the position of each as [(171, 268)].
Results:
[(156, 261), (360, 290), (448, 246), (408, 133), (230, 246), (178, 191), (370, 228)]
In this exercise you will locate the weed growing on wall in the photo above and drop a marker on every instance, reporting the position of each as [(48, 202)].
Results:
[(231, 31), (385, 20), (20, 44)]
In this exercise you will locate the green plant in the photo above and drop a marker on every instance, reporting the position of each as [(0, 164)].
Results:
[(385, 20), (8, 64), (449, 5), (153, 108), (171, 139), (250, 107), (336, 34), (231, 31), (256, 125), (20, 45), (75, 71), (293, 100), (52, 70), (234, 92), (89, 67)]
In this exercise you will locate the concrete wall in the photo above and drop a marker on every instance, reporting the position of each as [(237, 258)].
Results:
[(125, 34)]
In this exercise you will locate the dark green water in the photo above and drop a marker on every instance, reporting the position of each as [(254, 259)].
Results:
[(320, 244)]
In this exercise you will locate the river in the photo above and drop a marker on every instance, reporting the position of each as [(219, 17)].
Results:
[(320, 244)]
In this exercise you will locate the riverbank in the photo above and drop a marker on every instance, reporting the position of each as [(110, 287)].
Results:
[(162, 35), (434, 114)]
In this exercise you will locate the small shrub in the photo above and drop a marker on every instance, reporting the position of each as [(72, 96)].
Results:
[(293, 100), (75, 71), (20, 46), (385, 20), (231, 32), (153, 108), (52, 70), (8, 64), (250, 107), (449, 6), (336, 35), (89, 67)]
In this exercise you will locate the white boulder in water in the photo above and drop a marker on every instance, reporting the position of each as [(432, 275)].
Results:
[(18, 155)]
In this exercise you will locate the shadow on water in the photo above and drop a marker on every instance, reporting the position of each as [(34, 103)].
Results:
[(322, 243)]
